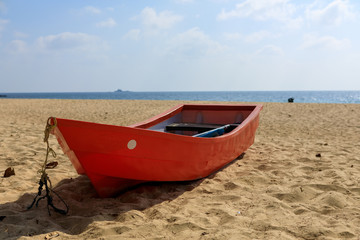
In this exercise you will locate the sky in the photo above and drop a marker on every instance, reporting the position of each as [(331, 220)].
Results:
[(179, 45)]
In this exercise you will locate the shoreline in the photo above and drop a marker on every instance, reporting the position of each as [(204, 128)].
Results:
[(280, 189), (233, 96)]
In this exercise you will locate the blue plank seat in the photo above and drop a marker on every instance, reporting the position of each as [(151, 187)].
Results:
[(201, 129), (217, 131)]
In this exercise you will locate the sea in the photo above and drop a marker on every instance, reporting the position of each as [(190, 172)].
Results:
[(221, 96)]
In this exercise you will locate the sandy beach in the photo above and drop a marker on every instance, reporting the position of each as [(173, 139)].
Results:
[(299, 180)]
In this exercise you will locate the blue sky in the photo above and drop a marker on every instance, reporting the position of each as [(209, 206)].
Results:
[(179, 45)]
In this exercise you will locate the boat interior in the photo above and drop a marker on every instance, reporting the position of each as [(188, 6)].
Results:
[(202, 123)]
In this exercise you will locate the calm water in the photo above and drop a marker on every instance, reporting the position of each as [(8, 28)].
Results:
[(248, 96)]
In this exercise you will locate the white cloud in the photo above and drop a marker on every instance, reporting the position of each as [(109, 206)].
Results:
[(194, 43), (294, 23), (133, 34), (233, 36), (312, 41), (333, 14), (257, 36), (162, 20), (3, 8), (3, 22), (70, 41), (261, 10), (251, 38), (92, 10), (17, 46), (271, 50), (184, 1), (109, 23), (18, 34)]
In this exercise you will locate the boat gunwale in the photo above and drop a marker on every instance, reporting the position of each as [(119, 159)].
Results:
[(139, 130), (179, 108)]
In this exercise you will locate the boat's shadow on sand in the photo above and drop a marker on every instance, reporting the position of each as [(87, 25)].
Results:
[(85, 207)]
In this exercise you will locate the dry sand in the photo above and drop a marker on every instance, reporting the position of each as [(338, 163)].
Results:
[(278, 190)]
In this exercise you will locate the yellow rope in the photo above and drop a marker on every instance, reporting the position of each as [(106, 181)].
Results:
[(44, 179), (50, 125)]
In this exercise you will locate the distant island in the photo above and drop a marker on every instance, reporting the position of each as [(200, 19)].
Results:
[(119, 90), (3, 95)]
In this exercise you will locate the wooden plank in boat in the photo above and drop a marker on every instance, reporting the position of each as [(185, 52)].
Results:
[(198, 127)]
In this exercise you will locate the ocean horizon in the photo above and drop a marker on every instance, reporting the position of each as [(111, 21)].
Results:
[(221, 96)]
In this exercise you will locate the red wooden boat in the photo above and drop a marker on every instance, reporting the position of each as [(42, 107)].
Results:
[(187, 142)]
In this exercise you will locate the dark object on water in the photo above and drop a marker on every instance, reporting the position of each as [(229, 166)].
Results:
[(121, 91), (291, 100), (318, 155), (2, 95), (9, 172)]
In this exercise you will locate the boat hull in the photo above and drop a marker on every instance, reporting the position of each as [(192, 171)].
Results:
[(115, 157)]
